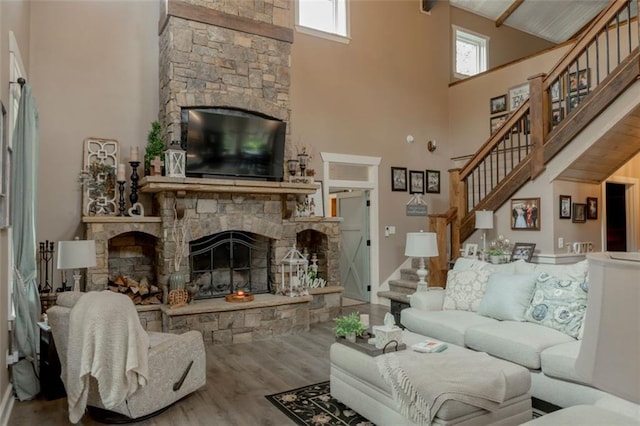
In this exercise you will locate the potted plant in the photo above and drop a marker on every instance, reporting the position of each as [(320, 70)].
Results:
[(349, 326), (155, 146), (496, 254)]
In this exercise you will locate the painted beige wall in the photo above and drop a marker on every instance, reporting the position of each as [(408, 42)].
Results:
[(14, 16), (95, 73), (506, 44), (365, 97)]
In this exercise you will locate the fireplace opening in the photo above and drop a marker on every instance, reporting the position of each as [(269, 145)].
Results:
[(228, 261)]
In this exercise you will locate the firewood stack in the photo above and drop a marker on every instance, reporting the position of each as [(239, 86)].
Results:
[(141, 293)]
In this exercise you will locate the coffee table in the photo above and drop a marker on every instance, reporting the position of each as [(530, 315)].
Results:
[(356, 382)]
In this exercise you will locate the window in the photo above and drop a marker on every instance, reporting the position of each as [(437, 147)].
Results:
[(470, 53), (323, 18)]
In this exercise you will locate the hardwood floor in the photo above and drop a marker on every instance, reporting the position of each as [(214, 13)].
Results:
[(238, 378)]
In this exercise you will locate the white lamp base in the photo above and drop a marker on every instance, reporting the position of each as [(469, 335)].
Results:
[(76, 280), (422, 274)]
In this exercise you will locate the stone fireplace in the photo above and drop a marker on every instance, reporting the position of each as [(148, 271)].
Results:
[(222, 54)]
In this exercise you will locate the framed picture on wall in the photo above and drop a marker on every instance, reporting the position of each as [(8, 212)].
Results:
[(579, 213), (496, 122), (416, 182), (498, 104), (524, 214), (399, 179), (433, 181), (592, 208), (518, 95), (565, 207)]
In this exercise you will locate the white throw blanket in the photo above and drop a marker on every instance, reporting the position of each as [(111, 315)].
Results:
[(421, 382), (106, 341)]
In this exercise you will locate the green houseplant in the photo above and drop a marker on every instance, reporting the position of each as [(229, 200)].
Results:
[(349, 326), (155, 146), (496, 254)]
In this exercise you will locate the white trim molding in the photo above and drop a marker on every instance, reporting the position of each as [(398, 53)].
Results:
[(370, 184)]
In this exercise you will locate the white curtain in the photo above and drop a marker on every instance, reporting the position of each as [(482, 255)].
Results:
[(26, 299)]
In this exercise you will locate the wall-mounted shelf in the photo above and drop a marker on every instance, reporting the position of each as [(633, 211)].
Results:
[(154, 184)]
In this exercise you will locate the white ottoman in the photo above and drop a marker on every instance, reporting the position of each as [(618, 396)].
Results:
[(356, 382)]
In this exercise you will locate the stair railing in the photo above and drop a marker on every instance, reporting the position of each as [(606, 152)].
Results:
[(514, 153)]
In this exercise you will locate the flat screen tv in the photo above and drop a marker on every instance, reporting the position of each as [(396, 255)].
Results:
[(229, 143)]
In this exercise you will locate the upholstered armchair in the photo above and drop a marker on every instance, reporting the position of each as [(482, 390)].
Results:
[(176, 365)]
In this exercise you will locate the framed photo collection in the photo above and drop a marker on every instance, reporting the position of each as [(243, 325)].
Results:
[(433, 181), (565, 207), (522, 251), (579, 213)]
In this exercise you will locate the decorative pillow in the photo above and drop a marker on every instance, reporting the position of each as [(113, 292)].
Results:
[(464, 264), (465, 289), (558, 304), (505, 268), (507, 297), (573, 271)]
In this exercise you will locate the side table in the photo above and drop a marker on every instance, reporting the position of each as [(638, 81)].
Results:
[(51, 385)]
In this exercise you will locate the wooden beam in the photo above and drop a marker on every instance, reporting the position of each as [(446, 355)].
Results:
[(180, 9), (539, 122), (516, 4)]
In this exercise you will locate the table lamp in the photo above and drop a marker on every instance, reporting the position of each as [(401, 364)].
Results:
[(484, 221), (421, 244), (610, 350), (74, 255)]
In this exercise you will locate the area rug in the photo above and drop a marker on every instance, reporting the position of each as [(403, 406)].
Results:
[(313, 405)]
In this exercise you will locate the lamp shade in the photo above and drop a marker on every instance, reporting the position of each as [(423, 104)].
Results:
[(76, 254), (421, 244), (609, 356), (484, 219)]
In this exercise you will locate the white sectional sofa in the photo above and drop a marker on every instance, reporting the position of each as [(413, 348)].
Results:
[(496, 309)]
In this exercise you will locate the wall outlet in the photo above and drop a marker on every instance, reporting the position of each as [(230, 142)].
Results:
[(560, 242)]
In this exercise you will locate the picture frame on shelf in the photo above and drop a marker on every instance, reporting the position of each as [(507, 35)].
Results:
[(518, 95), (592, 208), (433, 181), (416, 182), (565, 207), (496, 122), (579, 213), (498, 104), (525, 214), (522, 251), (470, 250), (578, 81), (399, 179)]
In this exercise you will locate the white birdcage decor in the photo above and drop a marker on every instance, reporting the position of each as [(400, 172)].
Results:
[(174, 162), (293, 268)]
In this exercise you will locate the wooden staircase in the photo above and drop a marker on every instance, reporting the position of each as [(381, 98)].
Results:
[(519, 151)]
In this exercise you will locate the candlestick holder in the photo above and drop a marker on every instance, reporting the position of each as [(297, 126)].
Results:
[(121, 202), (133, 196)]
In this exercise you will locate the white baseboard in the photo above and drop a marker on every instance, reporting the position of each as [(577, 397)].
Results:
[(6, 406)]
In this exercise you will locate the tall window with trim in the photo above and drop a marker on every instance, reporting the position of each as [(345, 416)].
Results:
[(471, 51), (324, 18)]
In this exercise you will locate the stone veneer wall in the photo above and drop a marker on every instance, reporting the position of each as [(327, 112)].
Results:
[(202, 64)]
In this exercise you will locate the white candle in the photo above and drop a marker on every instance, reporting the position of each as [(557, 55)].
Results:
[(364, 319), (134, 153), (120, 176)]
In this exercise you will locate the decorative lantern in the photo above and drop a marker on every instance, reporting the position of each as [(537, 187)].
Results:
[(175, 162), (293, 268)]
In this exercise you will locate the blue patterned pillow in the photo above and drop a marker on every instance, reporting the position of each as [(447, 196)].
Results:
[(558, 304)]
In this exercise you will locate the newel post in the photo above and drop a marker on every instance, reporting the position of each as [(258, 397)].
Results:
[(438, 265), (457, 200), (539, 116)]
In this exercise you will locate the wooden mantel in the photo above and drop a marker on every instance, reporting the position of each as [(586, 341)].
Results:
[(154, 184)]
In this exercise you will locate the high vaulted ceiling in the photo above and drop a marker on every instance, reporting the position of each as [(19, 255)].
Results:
[(552, 20)]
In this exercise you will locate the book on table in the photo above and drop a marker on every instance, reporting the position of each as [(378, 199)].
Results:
[(429, 346)]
